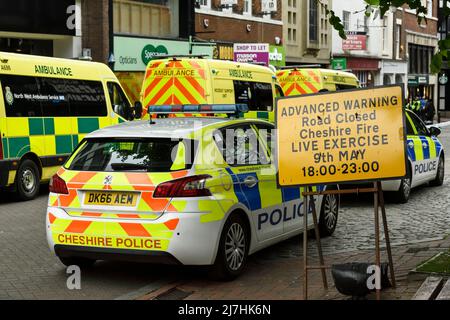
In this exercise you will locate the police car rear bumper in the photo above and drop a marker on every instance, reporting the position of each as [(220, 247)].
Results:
[(191, 243), (159, 257)]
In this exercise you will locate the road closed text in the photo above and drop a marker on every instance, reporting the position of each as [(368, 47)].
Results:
[(339, 136)]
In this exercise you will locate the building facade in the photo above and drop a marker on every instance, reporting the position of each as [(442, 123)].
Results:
[(443, 92), (420, 43), (227, 23), (49, 28), (368, 49), (307, 32)]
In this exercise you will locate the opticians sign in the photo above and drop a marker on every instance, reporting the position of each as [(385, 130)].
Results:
[(341, 137), (133, 54)]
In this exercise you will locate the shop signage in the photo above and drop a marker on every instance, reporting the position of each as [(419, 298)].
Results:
[(268, 5), (224, 52), (341, 137), (277, 56), (355, 41), (133, 54), (62, 17), (257, 53), (418, 80), (339, 63)]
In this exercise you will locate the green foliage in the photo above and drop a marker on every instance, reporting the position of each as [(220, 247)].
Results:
[(383, 6)]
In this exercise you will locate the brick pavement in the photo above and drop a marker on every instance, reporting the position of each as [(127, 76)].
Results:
[(275, 279)]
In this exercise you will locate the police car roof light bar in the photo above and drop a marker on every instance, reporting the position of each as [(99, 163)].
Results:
[(230, 109)]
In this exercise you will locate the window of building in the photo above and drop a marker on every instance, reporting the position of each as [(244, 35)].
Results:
[(247, 7), (397, 41), (385, 36), (346, 20), (205, 3), (313, 21)]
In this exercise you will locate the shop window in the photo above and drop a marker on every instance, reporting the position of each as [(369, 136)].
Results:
[(346, 20), (257, 96), (21, 96)]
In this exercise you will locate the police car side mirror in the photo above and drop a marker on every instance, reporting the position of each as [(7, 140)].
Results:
[(435, 131), (137, 110)]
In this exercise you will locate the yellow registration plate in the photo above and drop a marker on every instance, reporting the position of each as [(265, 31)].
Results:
[(111, 198)]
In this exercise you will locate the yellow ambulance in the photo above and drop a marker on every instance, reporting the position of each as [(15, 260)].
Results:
[(192, 81), (47, 105), (297, 81)]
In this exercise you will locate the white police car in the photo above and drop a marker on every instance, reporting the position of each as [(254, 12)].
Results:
[(426, 161)]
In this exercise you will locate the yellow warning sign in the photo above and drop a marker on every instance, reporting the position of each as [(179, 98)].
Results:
[(342, 136)]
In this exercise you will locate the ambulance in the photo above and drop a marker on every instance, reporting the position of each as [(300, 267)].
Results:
[(296, 81), (186, 190), (183, 81), (48, 105)]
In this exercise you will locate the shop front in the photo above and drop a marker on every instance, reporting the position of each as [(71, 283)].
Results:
[(132, 55), (367, 70), (49, 28), (421, 86), (394, 72)]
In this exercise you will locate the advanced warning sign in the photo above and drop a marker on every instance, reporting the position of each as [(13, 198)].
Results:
[(343, 136)]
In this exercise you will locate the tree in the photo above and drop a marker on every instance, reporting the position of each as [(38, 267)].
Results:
[(383, 6)]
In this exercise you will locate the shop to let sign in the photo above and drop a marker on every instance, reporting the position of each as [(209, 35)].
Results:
[(343, 136)]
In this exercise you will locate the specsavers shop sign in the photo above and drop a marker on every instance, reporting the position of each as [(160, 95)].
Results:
[(133, 54), (346, 136)]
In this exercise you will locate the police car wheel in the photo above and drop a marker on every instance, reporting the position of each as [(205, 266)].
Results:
[(328, 215), (439, 180), (27, 180), (233, 249), (77, 261), (402, 195)]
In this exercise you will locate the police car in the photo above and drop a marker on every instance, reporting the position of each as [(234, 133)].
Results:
[(195, 191), (426, 162)]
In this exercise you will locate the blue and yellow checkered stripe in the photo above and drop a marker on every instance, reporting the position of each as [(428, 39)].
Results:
[(47, 136), (424, 148), (265, 194)]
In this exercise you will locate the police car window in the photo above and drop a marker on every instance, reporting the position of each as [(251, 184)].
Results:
[(257, 95), (267, 135), (86, 98), (21, 96), (53, 97), (239, 146), (409, 128), (119, 102), (132, 155), (420, 126)]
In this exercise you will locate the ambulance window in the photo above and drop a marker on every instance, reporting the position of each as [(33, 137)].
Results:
[(257, 95), (239, 146), (279, 91), (21, 96), (119, 101), (54, 101), (86, 98)]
